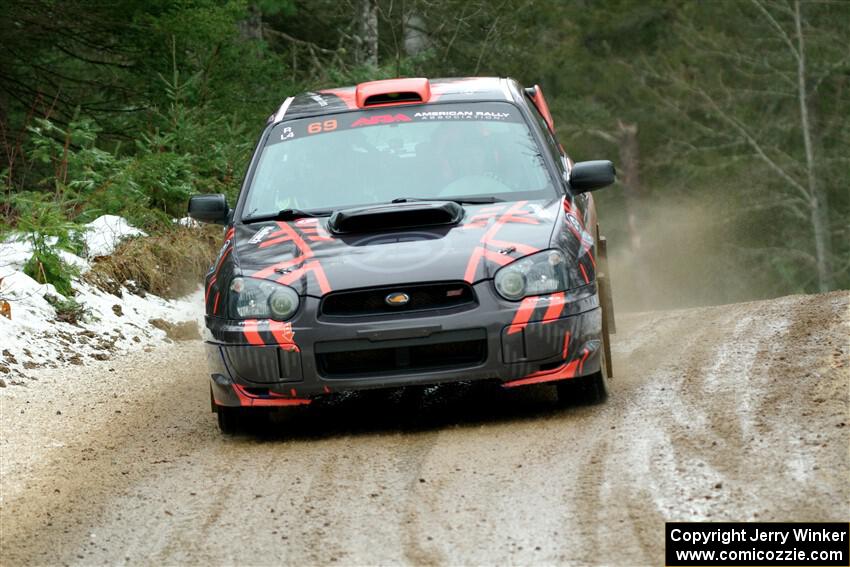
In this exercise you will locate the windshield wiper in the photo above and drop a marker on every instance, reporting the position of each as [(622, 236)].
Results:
[(285, 215), (458, 200)]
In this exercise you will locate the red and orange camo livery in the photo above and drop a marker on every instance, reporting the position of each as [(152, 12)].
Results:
[(440, 236)]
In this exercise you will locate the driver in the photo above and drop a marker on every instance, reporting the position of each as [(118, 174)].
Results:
[(464, 150)]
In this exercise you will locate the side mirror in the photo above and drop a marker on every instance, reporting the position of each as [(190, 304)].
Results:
[(590, 175), (209, 208)]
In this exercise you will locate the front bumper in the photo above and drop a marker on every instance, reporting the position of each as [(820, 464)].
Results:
[(262, 363)]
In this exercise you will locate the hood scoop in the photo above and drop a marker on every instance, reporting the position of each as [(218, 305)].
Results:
[(395, 216)]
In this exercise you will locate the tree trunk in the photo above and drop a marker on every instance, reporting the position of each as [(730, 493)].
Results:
[(628, 169), (818, 204), (251, 28), (627, 144), (415, 40), (368, 32)]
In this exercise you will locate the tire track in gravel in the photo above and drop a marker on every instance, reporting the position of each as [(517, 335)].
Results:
[(624, 468), (96, 452)]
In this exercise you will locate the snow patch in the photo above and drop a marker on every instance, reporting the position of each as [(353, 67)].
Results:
[(103, 235), (188, 222), (14, 254), (33, 337)]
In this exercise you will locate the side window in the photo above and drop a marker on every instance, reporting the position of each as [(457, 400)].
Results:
[(554, 147)]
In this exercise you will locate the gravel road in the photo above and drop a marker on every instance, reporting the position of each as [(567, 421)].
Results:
[(736, 412)]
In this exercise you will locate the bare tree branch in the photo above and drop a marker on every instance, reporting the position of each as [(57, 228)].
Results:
[(291, 39), (779, 29)]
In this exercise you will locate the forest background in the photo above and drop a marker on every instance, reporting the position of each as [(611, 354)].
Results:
[(727, 120)]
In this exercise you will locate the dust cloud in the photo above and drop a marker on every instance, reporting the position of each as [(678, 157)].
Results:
[(686, 254)]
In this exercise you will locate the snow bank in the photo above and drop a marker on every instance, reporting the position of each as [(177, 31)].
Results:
[(33, 337), (13, 255), (100, 238), (104, 233)]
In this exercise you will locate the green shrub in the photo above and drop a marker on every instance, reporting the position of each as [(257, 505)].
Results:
[(44, 226), (68, 310), (45, 266)]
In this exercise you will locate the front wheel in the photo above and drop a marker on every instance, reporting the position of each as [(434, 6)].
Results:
[(607, 320), (232, 421), (585, 390)]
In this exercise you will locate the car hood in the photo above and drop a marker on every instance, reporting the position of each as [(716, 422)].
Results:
[(307, 256)]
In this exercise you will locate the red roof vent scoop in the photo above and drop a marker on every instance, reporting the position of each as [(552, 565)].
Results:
[(392, 92)]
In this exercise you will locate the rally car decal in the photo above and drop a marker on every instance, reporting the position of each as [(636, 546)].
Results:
[(556, 306), (574, 223), (523, 314), (270, 399), (259, 332), (336, 98), (313, 231), (566, 371), (569, 369), (299, 266), (226, 249), (515, 214), (550, 306)]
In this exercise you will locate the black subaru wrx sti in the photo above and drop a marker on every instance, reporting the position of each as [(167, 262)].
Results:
[(407, 232)]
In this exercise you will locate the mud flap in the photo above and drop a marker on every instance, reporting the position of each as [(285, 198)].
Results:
[(602, 282), (606, 300)]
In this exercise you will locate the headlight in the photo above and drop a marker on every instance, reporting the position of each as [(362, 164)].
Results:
[(537, 274), (251, 298)]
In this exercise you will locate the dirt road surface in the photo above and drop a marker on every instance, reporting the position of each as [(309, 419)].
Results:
[(723, 413)]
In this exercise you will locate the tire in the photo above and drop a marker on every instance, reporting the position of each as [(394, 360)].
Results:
[(606, 299), (233, 420), (585, 390), (607, 318)]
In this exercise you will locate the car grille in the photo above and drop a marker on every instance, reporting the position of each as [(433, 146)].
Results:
[(422, 297), (440, 351)]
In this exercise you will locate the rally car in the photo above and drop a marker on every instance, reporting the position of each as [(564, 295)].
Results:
[(407, 232)]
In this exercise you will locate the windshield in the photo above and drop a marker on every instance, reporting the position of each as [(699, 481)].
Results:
[(369, 157)]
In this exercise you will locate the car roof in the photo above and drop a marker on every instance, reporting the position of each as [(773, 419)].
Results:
[(393, 93)]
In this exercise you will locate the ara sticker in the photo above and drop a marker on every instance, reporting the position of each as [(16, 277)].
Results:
[(381, 119)]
